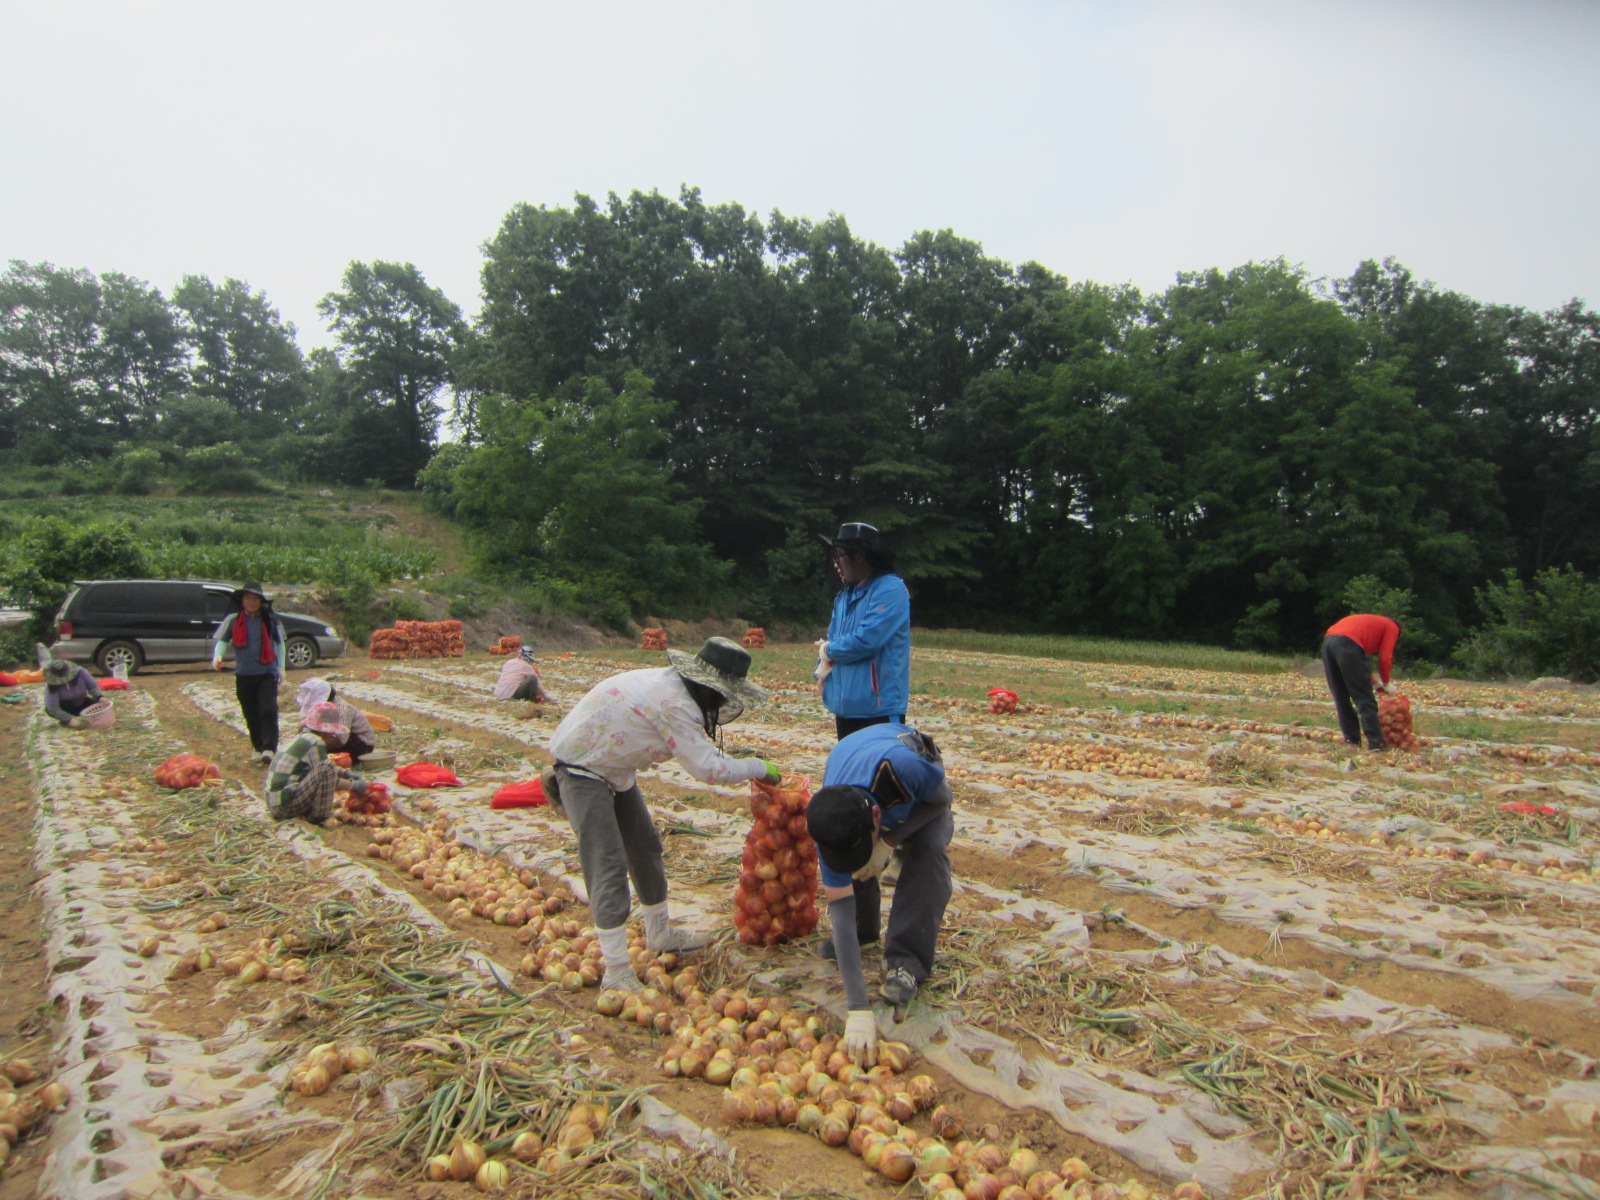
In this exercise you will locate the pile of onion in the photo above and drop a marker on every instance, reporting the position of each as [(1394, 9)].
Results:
[(315, 1073), (472, 884), (776, 898), (20, 1113)]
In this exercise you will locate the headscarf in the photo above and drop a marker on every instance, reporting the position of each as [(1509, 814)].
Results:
[(312, 692)]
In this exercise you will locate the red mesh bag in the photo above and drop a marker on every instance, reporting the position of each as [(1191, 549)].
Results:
[(186, 771), (426, 775), (1394, 715), (776, 897), (1002, 701), (755, 638), (519, 795)]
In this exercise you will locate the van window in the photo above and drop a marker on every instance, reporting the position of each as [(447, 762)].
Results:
[(218, 603), (111, 598)]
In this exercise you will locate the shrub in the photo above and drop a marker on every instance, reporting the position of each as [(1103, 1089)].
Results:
[(224, 467), (1552, 626), (16, 648), (136, 471), (402, 606), (41, 565), (353, 592)]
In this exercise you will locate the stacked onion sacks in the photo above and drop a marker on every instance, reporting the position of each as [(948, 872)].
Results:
[(776, 898), (472, 884)]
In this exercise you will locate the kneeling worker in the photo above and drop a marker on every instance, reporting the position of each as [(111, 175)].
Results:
[(884, 793), (519, 679)]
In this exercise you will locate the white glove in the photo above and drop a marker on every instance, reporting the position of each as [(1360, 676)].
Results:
[(824, 663), (861, 1038), (882, 852)]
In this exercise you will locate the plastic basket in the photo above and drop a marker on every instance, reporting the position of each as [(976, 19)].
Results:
[(99, 715)]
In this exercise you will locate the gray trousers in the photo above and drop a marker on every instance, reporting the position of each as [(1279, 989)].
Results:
[(616, 840), (1344, 663), (921, 892)]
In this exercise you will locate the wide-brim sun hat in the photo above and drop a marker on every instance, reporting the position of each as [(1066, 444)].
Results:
[(723, 666), (855, 535), (253, 586), (324, 718), (60, 672)]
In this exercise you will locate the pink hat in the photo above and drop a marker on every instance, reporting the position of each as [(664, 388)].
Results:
[(324, 718)]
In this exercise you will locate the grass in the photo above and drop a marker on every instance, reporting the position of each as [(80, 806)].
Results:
[(1177, 655)]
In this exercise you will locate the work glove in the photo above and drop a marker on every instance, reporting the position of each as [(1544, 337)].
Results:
[(77, 723), (216, 663), (773, 774), (860, 1043), (824, 663), (882, 852)]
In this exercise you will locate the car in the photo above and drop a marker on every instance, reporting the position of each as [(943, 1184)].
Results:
[(129, 623)]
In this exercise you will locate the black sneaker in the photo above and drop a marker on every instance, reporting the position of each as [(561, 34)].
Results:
[(899, 987), (826, 949)]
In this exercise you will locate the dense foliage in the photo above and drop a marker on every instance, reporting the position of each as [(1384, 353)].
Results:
[(661, 402)]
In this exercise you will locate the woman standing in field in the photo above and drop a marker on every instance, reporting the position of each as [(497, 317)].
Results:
[(865, 664), (257, 640)]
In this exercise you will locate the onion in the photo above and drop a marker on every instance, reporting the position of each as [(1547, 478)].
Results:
[(808, 1118), (1042, 1183), (1012, 1191), (737, 1107), (1025, 1163), (832, 1131), (873, 1146), (148, 946), (252, 971), (1075, 1169), (9, 1133), (53, 1096), (1188, 1191), (896, 1162), (719, 1071), (357, 1058), (491, 1177), (982, 1186), (465, 1159), (438, 1168), (894, 1055), (313, 1081), (946, 1121), (901, 1107), (526, 1146), (934, 1158)]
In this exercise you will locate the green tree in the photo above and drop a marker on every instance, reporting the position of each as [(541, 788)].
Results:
[(400, 338), (244, 353), (1552, 625), (580, 489)]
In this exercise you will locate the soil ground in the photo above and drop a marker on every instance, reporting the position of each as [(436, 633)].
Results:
[(1192, 936)]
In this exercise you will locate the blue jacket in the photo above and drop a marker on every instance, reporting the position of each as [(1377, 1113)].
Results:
[(869, 640)]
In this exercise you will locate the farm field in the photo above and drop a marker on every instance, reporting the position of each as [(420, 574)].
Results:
[(1196, 947)]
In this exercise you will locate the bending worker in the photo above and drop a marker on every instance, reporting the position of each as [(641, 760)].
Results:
[(1345, 650), (884, 793), (625, 723), (68, 690)]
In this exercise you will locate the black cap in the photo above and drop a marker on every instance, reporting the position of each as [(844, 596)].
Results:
[(839, 819)]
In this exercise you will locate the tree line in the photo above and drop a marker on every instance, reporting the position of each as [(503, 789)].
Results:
[(662, 401)]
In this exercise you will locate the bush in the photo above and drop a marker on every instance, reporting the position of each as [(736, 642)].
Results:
[(210, 470), (16, 648), (41, 565), (1552, 627), (1369, 594), (136, 472), (402, 606), (353, 593)]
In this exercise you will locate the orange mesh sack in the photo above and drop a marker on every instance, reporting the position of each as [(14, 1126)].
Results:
[(186, 771), (776, 898), (1394, 715)]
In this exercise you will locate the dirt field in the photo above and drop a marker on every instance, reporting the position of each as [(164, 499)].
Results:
[(1193, 939)]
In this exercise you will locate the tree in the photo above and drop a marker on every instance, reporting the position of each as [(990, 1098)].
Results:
[(400, 338), (84, 361), (40, 565), (579, 488), (244, 354)]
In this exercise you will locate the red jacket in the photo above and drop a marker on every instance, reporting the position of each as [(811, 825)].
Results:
[(1374, 634)]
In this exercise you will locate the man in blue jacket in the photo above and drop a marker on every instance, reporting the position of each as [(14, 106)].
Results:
[(884, 793), (865, 665)]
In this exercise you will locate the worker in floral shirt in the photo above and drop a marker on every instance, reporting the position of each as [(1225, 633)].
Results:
[(626, 723)]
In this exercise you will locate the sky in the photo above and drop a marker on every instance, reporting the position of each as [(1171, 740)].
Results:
[(1116, 141)]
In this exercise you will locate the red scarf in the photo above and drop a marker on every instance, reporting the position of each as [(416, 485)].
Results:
[(241, 635)]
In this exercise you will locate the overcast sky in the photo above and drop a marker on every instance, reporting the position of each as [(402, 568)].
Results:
[(1125, 140)]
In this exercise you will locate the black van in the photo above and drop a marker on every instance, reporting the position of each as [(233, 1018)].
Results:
[(129, 622)]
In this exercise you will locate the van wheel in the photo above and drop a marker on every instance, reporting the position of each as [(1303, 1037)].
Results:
[(300, 653), (126, 655)]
